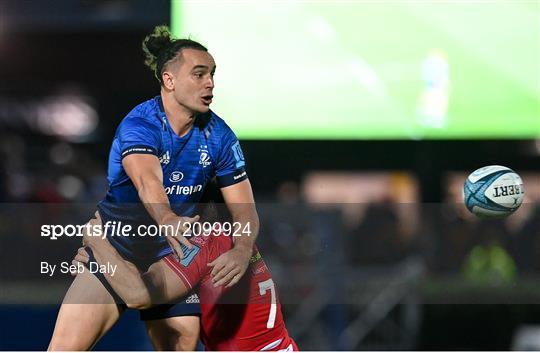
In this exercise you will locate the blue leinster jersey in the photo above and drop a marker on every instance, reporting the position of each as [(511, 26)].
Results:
[(210, 149)]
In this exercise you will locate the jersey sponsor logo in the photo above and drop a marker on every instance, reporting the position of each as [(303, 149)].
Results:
[(258, 270), (176, 176), (165, 159), (183, 190), (199, 240), (258, 267), (204, 160), (238, 154), (255, 257)]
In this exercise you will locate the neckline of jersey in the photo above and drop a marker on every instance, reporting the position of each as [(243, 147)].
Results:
[(163, 117)]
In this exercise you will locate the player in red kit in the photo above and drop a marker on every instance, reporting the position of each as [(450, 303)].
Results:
[(244, 317)]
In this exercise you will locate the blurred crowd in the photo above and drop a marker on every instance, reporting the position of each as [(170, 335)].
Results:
[(448, 239), (49, 172)]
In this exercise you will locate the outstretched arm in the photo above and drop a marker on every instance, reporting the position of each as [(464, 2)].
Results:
[(145, 172)]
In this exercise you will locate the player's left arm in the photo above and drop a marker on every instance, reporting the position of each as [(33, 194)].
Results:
[(229, 267)]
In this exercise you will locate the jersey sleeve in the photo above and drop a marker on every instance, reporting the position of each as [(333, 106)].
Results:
[(230, 168), (138, 135)]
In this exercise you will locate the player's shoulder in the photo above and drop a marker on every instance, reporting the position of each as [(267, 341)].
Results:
[(145, 113), (212, 125)]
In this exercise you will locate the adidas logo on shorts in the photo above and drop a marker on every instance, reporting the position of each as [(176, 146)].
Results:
[(193, 299)]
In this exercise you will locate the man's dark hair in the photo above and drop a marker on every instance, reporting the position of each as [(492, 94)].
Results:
[(160, 47)]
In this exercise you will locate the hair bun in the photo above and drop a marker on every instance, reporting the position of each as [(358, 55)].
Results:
[(155, 43)]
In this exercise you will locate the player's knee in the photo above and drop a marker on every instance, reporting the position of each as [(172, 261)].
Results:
[(189, 334), (180, 333), (187, 343), (186, 340)]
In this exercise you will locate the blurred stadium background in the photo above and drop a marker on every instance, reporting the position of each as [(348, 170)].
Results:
[(359, 120)]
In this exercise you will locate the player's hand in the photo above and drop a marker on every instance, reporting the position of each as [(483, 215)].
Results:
[(92, 230), (230, 267), (177, 230), (81, 257)]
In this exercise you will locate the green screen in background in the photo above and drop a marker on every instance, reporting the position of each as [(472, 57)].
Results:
[(371, 70)]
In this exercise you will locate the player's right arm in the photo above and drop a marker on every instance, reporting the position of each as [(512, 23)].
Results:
[(139, 142), (145, 172)]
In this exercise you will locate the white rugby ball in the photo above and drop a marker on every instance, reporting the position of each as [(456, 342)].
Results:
[(493, 191)]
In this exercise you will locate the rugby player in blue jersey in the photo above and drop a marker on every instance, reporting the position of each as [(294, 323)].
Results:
[(164, 153)]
